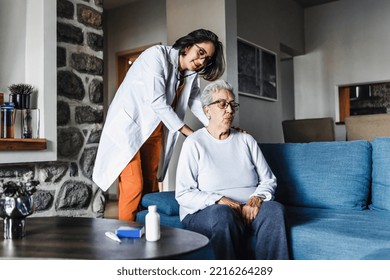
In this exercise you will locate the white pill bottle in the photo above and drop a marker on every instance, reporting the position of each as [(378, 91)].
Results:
[(152, 224)]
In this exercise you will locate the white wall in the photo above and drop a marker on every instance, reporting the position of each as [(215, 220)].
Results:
[(219, 16), (12, 44), (287, 88), (28, 45), (347, 42), (268, 23), (129, 27)]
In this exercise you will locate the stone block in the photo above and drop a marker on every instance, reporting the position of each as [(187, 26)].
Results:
[(63, 113), (87, 161), (96, 91), (43, 200), (52, 172), (70, 85), (88, 114), (70, 142), (89, 16), (65, 9), (85, 63), (95, 41), (69, 34), (74, 195)]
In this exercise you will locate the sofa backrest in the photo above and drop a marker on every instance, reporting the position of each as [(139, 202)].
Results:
[(330, 175), (381, 173)]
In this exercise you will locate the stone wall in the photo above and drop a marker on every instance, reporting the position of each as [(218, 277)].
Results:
[(65, 186)]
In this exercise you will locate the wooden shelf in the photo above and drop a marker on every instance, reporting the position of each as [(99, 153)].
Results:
[(18, 144)]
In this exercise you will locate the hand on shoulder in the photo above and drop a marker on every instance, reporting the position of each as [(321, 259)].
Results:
[(239, 129)]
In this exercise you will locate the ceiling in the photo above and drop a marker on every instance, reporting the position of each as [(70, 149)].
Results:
[(111, 4), (311, 3)]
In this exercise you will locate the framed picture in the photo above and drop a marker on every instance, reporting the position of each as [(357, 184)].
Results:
[(256, 71)]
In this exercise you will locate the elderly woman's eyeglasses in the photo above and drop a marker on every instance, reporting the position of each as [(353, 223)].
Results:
[(202, 54), (223, 104)]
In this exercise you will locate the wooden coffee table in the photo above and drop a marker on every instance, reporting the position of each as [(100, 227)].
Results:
[(84, 238)]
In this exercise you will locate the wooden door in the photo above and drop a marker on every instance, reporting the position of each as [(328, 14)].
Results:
[(344, 104), (125, 59)]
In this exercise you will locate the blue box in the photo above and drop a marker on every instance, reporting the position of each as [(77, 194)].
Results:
[(130, 231)]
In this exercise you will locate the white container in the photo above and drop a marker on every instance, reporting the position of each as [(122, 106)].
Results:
[(152, 224)]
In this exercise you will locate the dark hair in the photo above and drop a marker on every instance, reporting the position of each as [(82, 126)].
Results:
[(216, 67)]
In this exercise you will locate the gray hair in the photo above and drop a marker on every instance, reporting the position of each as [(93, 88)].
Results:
[(207, 94)]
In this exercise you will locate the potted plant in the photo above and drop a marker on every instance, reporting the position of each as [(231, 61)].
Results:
[(20, 95)]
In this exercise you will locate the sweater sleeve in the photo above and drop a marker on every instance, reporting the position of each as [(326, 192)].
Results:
[(267, 180), (188, 194)]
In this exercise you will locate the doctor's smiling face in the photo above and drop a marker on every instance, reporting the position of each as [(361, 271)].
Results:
[(197, 56)]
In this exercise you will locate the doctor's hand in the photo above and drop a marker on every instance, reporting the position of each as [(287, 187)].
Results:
[(239, 129), (186, 130)]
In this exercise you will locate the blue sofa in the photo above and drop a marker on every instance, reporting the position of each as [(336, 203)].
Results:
[(336, 194)]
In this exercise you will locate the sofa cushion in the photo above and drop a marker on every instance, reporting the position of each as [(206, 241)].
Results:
[(338, 234), (165, 201), (321, 174), (381, 173)]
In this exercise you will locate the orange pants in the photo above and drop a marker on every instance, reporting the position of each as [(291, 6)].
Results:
[(140, 176)]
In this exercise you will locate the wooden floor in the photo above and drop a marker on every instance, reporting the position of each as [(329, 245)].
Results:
[(111, 211)]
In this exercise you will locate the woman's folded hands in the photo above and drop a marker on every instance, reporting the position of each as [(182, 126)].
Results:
[(248, 211)]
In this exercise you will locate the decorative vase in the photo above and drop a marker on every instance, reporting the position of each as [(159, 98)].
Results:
[(16, 203)]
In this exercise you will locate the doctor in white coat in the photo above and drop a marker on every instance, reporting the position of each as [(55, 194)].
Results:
[(147, 115)]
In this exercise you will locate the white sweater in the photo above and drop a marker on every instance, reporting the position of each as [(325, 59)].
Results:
[(209, 169)]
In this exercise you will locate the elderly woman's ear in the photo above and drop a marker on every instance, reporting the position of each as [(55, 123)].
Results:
[(206, 112)]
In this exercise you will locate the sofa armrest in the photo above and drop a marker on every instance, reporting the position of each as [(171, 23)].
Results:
[(165, 220), (165, 201)]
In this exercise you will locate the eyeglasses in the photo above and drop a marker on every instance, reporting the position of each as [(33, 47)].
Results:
[(223, 104), (202, 54)]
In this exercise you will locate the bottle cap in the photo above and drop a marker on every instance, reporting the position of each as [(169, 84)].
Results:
[(152, 208)]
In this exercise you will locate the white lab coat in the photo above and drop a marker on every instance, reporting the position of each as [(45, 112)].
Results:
[(142, 101)]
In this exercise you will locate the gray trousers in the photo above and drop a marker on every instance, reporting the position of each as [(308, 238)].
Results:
[(229, 234)]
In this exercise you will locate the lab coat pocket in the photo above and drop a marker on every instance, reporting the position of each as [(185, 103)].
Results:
[(124, 131)]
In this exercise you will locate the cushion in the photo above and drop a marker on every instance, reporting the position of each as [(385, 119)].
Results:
[(165, 201), (165, 220), (381, 173), (321, 174), (338, 234)]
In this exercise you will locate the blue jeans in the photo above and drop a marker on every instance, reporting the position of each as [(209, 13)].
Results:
[(228, 232)]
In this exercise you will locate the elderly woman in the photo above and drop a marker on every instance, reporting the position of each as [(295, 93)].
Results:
[(225, 187)]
